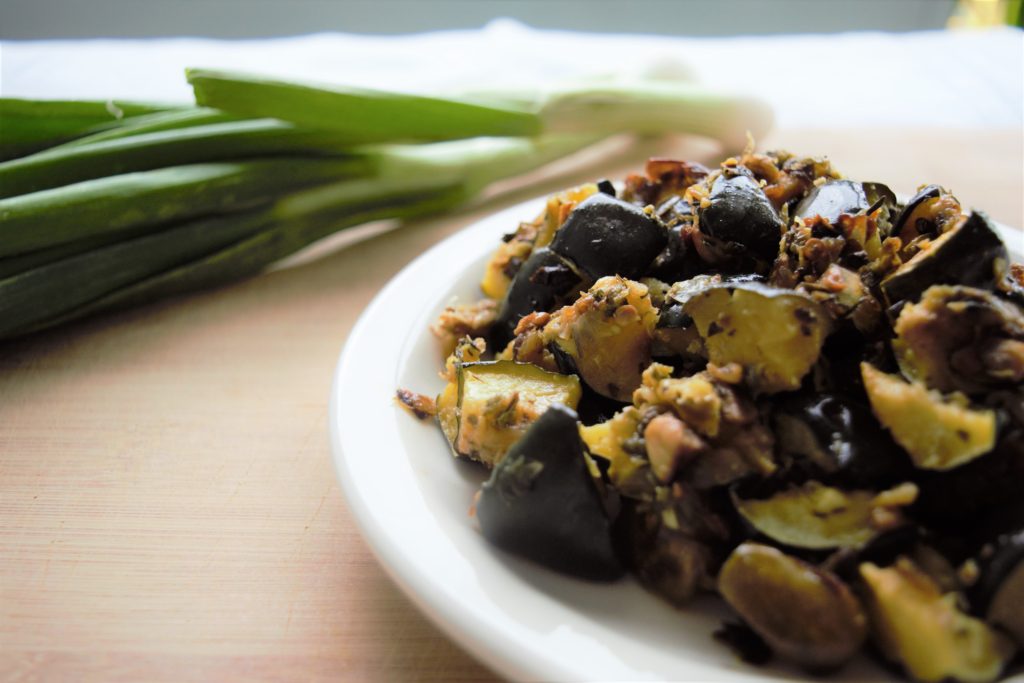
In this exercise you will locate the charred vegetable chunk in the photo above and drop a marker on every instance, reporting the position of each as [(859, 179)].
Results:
[(517, 247), (961, 339), (917, 626), (999, 590), (973, 498), (937, 433), (738, 212), (774, 334), (542, 503), (839, 438), (499, 400), (545, 282), (805, 614), (970, 254), (673, 560), (818, 517), (606, 336), (464, 320), (833, 199), (722, 440), (607, 236), (607, 439), (930, 212)]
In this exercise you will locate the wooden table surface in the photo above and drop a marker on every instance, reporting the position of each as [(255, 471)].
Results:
[(168, 507)]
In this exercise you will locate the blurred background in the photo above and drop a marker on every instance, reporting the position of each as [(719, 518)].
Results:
[(35, 19)]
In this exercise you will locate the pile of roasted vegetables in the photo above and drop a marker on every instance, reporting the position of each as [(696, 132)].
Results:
[(766, 381)]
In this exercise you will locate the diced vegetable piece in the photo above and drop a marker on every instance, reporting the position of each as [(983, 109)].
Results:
[(499, 400), (937, 433), (775, 334), (738, 212), (607, 335), (605, 440), (725, 441), (918, 627), (806, 614), (607, 236), (672, 562), (970, 254), (545, 282), (69, 164), (840, 438), (833, 199), (930, 212), (818, 517), (999, 591), (961, 339), (542, 503), (920, 197)]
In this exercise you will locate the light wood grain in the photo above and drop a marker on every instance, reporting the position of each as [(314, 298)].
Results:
[(168, 507)]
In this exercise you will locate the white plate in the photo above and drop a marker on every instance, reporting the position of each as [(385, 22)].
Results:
[(411, 500)]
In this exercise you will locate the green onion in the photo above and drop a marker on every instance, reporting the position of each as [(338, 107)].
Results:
[(654, 107), (156, 122), (365, 115), (56, 289), (640, 107), (30, 125), (67, 164), (122, 202)]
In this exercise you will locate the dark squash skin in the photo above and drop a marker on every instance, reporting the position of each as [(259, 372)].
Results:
[(806, 614), (971, 254), (832, 200), (545, 282), (542, 503), (838, 440), (740, 213), (607, 236), (997, 593)]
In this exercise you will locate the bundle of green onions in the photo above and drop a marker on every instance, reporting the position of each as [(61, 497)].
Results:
[(108, 205)]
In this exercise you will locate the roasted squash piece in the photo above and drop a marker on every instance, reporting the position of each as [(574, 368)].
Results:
[(806, 614), (961, 339), (498, 401), (542, 503), (723, 439), (545, 282), (517, 247), (607, 236), (833, 199), (774, 334), (818, 517), (605, 440), (918, 627), (969, 254), (737, 212), (466, 350), (837, 438), (999, 591), (606, 336), (938, 433)]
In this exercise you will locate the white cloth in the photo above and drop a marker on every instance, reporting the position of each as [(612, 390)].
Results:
[(963, 79)]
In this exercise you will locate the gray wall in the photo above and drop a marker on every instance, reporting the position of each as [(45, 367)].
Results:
[(32, 19)]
